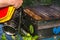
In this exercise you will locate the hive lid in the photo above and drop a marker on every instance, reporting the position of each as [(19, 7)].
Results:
[(42, 12)]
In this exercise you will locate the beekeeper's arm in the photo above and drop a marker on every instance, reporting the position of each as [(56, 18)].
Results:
[(15, 3)]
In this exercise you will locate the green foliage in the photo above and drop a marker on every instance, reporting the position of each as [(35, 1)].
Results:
[(31, 29), (35, 37), (17, 37), (3, 36), (13, 37), (29, 3), (30, 37), (27, 38), (59, 39), (57, 2), (45, 2), (36, 2)]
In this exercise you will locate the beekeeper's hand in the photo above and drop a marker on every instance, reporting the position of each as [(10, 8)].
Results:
[(15, 3)]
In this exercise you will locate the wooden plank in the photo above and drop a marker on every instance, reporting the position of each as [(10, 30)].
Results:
[(42, 12), (47, 25)]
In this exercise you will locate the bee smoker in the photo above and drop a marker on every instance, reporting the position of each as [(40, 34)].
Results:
[(11, 27)]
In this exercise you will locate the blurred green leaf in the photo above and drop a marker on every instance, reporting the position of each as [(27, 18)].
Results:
[(35, 37), (13, 37), (27, 38), (17, 37), (3, 36), (59, 39), (31, 29)]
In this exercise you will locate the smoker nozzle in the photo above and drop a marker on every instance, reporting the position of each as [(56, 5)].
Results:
[(9, 30)]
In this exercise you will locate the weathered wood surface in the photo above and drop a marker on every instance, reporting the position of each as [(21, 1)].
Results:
[(43, 12), (48, 25)]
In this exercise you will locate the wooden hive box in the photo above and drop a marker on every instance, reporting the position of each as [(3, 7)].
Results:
[(47, 14), (45, 18)]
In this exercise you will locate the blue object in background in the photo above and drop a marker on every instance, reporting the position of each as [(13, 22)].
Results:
[(18, 35), (8, 37), (56, 30), (1, 30)]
